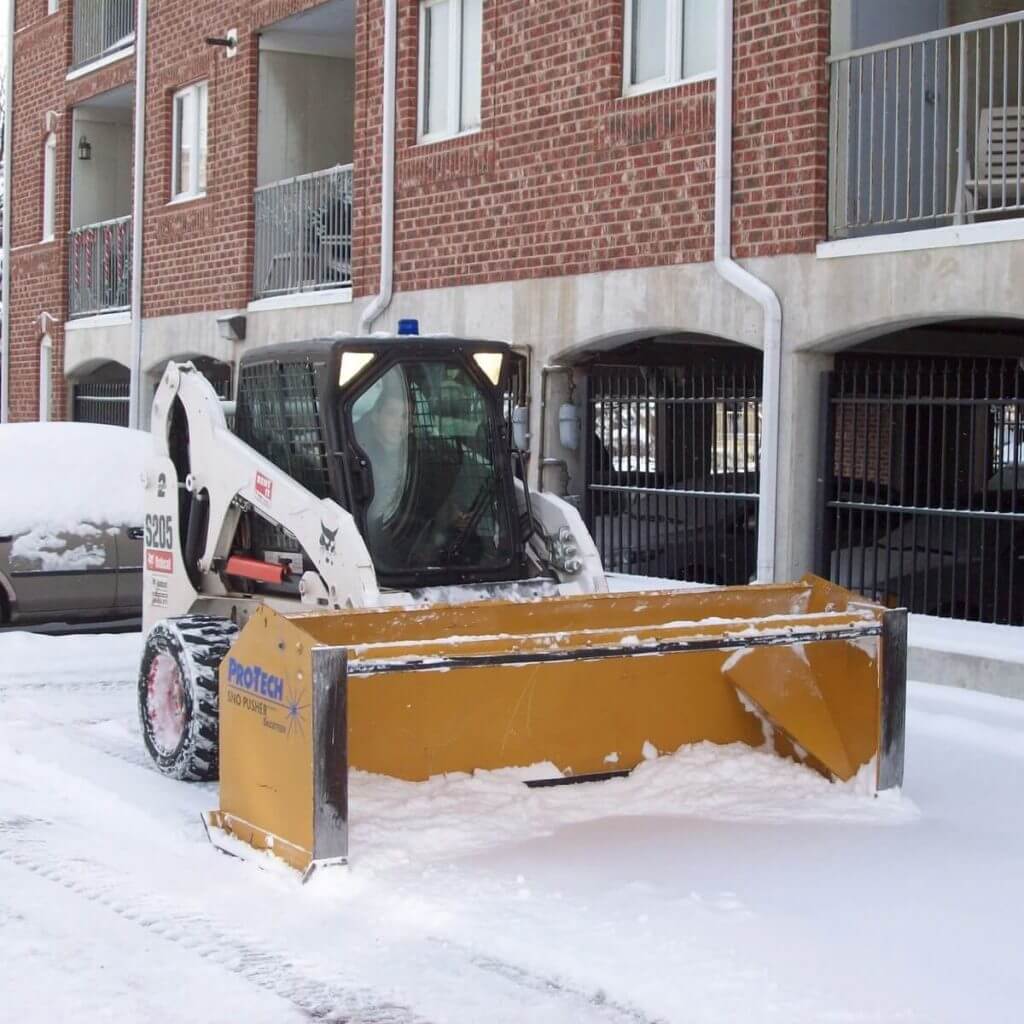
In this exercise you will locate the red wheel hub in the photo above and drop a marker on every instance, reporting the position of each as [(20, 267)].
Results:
[(165, 704)]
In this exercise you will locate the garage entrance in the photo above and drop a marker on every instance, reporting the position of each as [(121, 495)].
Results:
[(925, 496), (672, 444), (102, 396)]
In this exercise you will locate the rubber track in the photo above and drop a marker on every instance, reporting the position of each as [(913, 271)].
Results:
[(260, 965)]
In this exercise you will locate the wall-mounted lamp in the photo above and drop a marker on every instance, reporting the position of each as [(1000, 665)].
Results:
[(229, 41), (84, 149)]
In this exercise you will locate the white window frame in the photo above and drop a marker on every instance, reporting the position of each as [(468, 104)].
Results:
[(200, 92), (453, 128), (673, 53), (50, 187), (52, 6)]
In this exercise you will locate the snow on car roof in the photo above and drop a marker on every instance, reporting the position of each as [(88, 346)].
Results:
[(62, 475)]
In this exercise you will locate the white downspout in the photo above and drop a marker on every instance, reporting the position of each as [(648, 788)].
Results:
[(387, 182), (754, 287), (138, 197), (5, 297)]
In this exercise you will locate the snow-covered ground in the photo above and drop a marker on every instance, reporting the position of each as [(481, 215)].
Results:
[(715, 885)]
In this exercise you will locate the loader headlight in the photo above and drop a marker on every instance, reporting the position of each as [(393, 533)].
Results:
[(565, 553)]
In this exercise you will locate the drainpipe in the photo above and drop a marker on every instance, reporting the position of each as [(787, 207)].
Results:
[(138, 190), (5, 298), (756, 289), (387, 182)]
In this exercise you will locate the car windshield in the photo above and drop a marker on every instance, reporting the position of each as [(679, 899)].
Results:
[(436, 500)]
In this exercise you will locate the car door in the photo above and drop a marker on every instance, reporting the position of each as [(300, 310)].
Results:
[(64, 573), (129, 570)]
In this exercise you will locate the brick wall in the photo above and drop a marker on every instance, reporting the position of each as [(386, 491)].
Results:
[(565, 177), (568, 177), (41, 53)]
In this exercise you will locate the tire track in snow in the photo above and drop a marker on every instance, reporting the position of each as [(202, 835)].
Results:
[(609, 1009), (266, 967), (200, 935)]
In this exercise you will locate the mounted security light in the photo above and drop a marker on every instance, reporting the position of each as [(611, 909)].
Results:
[(490, 363), (352, 364), (84, 149)]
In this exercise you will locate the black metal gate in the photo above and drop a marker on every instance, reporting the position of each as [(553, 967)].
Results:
[(925, 498), (673, 444), (101, 402)]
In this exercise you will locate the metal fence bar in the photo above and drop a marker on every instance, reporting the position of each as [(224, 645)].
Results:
[(927, 467), (916, 142), (304, 233), (673, 463), (100, 268), (105, 402), (101, 27)]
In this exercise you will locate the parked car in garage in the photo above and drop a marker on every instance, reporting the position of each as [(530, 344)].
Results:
[(70, 522)]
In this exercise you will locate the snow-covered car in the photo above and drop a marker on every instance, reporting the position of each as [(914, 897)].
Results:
[(70, 521)]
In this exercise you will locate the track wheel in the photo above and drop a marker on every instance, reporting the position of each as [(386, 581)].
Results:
[(178, 694)]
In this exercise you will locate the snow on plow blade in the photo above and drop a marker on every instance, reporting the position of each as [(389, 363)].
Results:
[(589, 684)]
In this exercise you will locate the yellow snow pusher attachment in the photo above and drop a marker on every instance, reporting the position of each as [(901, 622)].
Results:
[(590, 684)]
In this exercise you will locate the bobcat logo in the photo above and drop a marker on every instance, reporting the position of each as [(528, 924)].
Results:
[(327, 543)]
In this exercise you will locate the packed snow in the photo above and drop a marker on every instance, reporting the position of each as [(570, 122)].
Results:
[(714, 884), (59, 477), (975, 639)]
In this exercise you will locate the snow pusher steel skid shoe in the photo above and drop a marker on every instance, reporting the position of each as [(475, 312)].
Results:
[(589, 684)]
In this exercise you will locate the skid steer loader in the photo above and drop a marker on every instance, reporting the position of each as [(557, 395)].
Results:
[(355, 575)]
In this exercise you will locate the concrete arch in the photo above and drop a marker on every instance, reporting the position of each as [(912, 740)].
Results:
[(87, 367), (667, 336), (881, 329)]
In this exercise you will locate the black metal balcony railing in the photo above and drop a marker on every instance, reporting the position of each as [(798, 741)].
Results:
[(928, 131), (304, 233), (100, 268), (102, 27)]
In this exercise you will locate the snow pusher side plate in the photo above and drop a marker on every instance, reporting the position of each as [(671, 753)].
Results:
[(590, 684)]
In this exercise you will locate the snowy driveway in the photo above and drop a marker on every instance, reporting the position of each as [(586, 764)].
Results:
[(716, 885)]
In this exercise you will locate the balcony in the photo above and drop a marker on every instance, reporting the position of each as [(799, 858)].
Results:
[(303, 199), (100, 242), (926, 130), (100, 268), (101, 28), (304, 233)]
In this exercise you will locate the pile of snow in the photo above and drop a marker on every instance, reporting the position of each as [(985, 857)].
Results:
[(60, 477)]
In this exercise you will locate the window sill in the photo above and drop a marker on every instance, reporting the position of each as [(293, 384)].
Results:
[(293, 300), (100, 62), (661, 85), (192, 197), (423, 141), (84, 323), (928, 238)]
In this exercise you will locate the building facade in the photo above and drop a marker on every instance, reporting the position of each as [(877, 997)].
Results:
[(554, 185)]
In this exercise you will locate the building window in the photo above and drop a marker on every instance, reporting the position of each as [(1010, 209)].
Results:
[(668, 41), (450, 61), (189, 169), (49, 187), (52, 6)]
